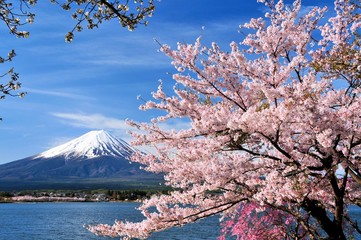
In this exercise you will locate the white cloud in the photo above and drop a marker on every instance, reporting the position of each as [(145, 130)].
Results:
[(91, 121), (305, 10), (117, 126), (145, 60), (56, 142), (58, 93), (175, 125), (96, 121), (99, 121)]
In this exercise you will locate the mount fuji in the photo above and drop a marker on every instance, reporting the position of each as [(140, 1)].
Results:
[(90, 145), (93, 160)]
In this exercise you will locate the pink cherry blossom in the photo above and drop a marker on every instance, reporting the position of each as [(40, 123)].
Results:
[(268, 130)]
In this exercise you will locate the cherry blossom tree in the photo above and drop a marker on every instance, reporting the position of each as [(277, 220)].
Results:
[(274, 136)]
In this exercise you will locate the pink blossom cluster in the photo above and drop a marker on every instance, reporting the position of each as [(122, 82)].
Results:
[(254, 222), (268, 130)]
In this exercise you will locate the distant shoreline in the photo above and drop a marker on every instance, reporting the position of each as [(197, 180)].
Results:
[(59, 199), (16, 202), (78, 196)]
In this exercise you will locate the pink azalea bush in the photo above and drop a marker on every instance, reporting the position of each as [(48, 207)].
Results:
[(255, 222)]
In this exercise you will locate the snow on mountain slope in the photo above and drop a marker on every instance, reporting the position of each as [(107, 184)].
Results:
[(90, 145)]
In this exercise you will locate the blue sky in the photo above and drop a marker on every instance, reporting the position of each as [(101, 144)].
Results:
[(93, 83)]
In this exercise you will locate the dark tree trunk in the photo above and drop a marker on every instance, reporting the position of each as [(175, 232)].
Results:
[(332, 228)]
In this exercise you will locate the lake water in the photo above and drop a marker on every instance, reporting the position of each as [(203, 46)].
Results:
[(64, 221)]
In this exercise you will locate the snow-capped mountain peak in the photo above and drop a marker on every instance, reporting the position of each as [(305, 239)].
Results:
[(90, 145)]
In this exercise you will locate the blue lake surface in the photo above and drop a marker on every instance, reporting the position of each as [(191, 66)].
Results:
[(64, 221)]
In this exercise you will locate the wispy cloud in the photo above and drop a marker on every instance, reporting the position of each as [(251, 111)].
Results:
[(96, 121), (145, 60), (117, 126), (58, 93), (56, 142), (99, 121), (175, 125), (91, 121)]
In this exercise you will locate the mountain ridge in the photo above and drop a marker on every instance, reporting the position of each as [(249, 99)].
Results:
[(96, 156), (90, 145)]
